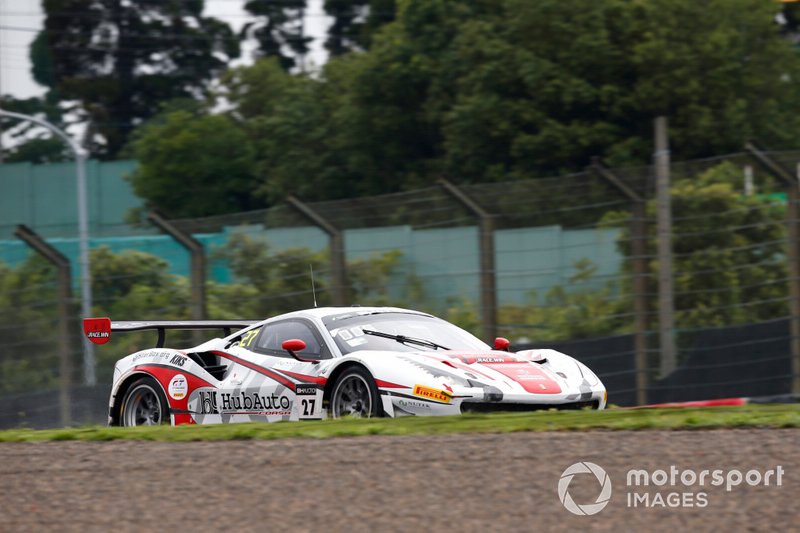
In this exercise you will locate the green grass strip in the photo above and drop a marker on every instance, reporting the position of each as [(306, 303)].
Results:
[(752, 416)]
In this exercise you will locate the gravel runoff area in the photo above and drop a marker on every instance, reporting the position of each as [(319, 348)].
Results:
[(467, 482)]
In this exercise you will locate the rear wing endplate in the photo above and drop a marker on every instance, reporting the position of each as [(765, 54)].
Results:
[(98, 330)]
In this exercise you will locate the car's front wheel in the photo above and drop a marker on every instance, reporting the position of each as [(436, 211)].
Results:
[(144, 404), (355, 394)]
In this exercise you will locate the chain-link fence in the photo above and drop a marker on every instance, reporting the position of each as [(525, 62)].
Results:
[(567, 262)]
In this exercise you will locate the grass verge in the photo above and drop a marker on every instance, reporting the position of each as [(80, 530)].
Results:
[(761, 416)]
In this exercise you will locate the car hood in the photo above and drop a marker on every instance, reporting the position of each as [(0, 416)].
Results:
[(533, 371)]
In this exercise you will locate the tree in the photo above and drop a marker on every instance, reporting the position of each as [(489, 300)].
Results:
[(120, 60), (30, 142), (281, 283), (571, 312), (279, 29), (729, 262), (355, 22), (560, 81), (27, 308), (289, 119), (486, 91), (194, 165)]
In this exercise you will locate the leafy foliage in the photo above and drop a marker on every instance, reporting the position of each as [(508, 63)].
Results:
[(488, 91), (728, 251), (730, 268), (26, 311), (32, 143), (355, 22), (570, 312), (281, 280), (278, 28), (194, 165), (122, 59), (134, 285)]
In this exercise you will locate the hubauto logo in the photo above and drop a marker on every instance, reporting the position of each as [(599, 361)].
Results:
[(584, 467)]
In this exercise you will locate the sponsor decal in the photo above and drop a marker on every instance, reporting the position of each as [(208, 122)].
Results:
[(215, 403), (414, 404), (486, 359), (177, 360), (178, 387), (287, 364), (97, 330), (305, 390), (432, 394), (152, 354), (490, 360), (255, 403), (208, 403)]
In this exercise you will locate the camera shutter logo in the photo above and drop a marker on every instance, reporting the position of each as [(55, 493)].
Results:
[(584, 468)]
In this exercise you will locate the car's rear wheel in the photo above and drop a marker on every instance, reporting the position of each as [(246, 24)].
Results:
[(355, 394), (144, 404)]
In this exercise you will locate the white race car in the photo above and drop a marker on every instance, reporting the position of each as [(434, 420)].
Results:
[(335, 362)]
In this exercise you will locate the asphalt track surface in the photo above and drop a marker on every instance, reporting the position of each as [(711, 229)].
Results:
[(426, 483)]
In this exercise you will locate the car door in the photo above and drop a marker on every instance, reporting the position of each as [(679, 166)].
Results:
[(266, 391)]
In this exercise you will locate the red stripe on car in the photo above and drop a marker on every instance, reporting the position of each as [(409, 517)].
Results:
[(319, 380), (260, 369)]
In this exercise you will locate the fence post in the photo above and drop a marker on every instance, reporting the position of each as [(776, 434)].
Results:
[(666, 294), (65, 314), (198, 266), (793, 249), (638, 229), (336, 244), (487, 259)]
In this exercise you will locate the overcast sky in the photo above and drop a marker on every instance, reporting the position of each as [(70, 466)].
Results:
[(20, 20)]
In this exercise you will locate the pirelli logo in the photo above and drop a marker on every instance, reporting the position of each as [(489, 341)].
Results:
[(432, 394)]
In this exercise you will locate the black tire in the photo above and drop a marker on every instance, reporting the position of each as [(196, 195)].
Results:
[(144, 404), (355, 394)]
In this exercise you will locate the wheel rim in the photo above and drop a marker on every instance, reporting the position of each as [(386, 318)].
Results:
[(143, 407), (352, 397)]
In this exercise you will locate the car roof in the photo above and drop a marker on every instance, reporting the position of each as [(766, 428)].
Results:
[(324, 312)]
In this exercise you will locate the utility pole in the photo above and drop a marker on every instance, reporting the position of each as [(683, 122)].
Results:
[(89, 375), (666, 304)]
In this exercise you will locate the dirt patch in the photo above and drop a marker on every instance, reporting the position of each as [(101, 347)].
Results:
[(454, 482)]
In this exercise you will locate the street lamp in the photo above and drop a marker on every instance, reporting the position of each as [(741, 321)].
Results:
[(89, 376)]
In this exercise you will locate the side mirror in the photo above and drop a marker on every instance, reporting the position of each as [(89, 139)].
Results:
[(296, 345), (502, 344)]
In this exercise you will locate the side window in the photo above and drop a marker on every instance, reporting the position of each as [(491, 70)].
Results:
[(249, 336), (273, 335)]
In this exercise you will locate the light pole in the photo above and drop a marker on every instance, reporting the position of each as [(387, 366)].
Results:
[(89, 376)]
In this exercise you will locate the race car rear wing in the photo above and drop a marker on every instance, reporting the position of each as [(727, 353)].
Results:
[(98, 330)]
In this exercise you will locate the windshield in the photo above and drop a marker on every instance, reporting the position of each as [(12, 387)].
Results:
[(400, 332)]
